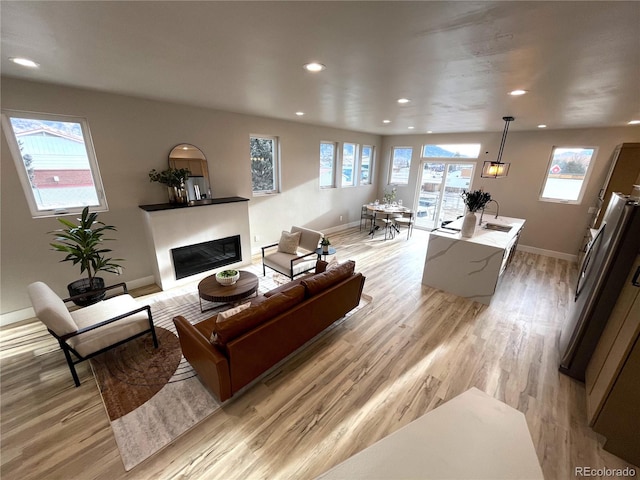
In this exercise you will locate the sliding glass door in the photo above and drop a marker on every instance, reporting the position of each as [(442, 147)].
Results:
[(438, 198)]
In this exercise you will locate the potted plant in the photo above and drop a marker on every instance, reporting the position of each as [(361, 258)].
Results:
[(475, 200), (325, 244), (227, 277), (83, 245), (174, 179)]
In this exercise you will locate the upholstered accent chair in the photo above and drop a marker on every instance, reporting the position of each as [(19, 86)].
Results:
[(89, 331), (294, 254)]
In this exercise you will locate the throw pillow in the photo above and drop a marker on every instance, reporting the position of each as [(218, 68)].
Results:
[(322, 281), (266, 310), (222, 316), (289, 242)]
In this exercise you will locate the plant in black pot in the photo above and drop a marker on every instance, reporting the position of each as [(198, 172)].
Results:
[(83, 245)]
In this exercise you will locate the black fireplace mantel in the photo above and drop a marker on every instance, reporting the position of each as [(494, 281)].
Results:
[(195, 203)]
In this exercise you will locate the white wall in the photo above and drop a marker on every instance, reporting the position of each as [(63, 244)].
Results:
[(132, 136), (554, 227)]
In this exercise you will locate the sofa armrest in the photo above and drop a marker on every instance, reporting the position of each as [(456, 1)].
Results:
[(210, 364)]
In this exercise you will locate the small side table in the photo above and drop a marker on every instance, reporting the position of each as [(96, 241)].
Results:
[(320, 253)]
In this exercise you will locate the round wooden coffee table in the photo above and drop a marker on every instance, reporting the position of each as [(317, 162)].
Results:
[(210, 290)]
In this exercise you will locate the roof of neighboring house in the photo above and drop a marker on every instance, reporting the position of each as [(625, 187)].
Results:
[(52, 150)]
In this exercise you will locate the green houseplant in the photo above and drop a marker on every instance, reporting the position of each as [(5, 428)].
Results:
[(174, 179), (325, 244), (82, 243)]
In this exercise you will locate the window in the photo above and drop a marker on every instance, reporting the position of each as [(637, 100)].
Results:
[(264, 164), (566, 174), (366, 162), (56, 162), (456, 150), (327, 164), (400, 165), (349, 151)]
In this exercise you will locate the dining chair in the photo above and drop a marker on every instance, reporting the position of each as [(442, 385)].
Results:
[(407, 219), (366, 215)]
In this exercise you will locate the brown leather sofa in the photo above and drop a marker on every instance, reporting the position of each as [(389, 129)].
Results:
[(228, 354)]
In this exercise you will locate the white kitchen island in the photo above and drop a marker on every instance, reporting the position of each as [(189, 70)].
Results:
[(471, 267)]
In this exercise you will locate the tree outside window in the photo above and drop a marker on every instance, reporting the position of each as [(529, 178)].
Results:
[(327, 164), (264, 172)]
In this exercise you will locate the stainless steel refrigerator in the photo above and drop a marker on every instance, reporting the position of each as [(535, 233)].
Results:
[(603, 271)]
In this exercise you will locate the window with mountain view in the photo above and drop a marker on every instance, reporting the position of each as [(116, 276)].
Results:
[(56, 162), (453, 150), (400, 165), (264, 164), (567, 172)]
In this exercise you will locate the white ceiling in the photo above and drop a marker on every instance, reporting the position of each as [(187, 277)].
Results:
[(456, 61)]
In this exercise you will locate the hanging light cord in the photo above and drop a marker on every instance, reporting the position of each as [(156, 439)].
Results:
[(504, 137)]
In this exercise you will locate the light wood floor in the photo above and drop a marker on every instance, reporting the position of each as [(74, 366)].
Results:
[(412, 349)]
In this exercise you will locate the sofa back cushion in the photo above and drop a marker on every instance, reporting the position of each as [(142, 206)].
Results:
[(320, 282), (250, 318)]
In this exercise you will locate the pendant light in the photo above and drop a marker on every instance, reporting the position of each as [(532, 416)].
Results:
[(498, 169)]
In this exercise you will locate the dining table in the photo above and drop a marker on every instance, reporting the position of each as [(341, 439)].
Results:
[(384, 212)]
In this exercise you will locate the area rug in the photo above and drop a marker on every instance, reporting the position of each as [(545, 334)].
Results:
[(152, 396)]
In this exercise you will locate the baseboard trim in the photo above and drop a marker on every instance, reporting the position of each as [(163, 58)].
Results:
[(548, 253), (25, 313)]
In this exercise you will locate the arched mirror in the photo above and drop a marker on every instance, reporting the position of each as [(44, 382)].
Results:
[(185, 155)]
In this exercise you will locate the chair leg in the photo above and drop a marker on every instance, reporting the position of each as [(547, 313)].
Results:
[(153, 328), (72, 367)]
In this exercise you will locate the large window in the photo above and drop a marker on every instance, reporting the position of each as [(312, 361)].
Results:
[(349, 152), (400, 165), (56, 162), (327, 164), (567, 172), (452, 150), (264, 164), (366, 164)]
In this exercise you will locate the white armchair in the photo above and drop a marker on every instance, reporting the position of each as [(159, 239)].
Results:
[(91, 330), (294, 254)]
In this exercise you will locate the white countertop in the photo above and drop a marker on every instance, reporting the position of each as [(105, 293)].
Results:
[(482, 235)]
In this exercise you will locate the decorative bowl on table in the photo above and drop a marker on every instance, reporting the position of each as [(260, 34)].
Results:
[(227, 277)]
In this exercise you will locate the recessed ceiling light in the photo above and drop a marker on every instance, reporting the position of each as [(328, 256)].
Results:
[(411, 128), (386, 121), (634, 122), (25, 62), (300, 114), (429, 131), (517, 92), (185, 148), (542, 125), (403, 100), (314, 67)]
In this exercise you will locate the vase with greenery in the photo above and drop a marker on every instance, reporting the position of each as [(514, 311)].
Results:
[(475, 200), (325, 244), (82, 243), (174, 179), (390, 196)]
